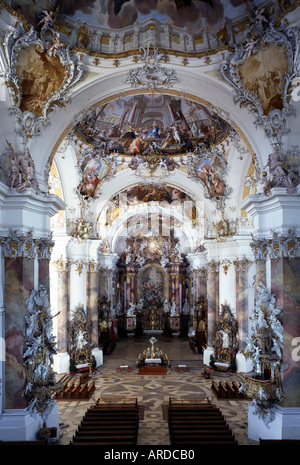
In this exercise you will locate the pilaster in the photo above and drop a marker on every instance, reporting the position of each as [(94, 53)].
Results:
[(26, 247), (276, 249)]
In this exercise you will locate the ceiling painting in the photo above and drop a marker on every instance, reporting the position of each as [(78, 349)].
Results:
[(191, 15), (135, 125), (163, 195)]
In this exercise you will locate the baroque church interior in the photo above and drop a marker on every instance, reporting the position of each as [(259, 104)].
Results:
[(150, 222)]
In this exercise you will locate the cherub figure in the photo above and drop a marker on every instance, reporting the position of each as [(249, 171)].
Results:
[(47, 20), (260, 18), (53, 48), (250, 46)]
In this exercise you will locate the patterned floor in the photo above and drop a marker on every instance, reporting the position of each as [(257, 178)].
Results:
[(153, 392)]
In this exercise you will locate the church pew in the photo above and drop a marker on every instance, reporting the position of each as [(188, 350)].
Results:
[(68, 390), (41, 442), (100, 443), (116, 402), (100, 440), (114, 405), (100, 419), (75, 391), (279, 442), (230, 390), (97, 409), (108, 418), (204, 441), (215, 388), (236, 388), (186, 401), (84, 377), (200, 428), (83, 390), (207, 434), (195, 424), (206, 373), (195, 413), (112, 412), (90, 390), (222, 390), (108, 425), (104, 432)]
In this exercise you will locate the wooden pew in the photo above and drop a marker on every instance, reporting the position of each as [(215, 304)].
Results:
[(215, 388), (74, 392), (109, 423), (236, 388), (206, 373), (198, 423), (91, 389), (279, 442), (82, 391), (41, 442), (230, 390), (222, 390)]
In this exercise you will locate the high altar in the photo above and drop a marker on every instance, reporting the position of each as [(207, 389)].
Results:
[(152, 275)]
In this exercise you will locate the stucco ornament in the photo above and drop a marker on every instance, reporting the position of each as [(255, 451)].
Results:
[(40, 73), (272, 52), (152, 75)]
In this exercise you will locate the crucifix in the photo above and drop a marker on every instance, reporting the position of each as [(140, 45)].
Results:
[(152, 341)]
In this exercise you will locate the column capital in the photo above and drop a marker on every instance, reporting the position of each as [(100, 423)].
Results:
[(16, 245)]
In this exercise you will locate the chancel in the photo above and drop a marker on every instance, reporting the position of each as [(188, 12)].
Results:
[(149, 223)]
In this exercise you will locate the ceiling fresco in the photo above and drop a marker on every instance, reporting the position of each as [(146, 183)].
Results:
[(191, 15), (129, 125)]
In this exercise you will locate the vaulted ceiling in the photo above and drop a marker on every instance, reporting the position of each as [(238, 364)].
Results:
[(98, 76)]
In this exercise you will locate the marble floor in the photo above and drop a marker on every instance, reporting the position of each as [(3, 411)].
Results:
[(153, 392)]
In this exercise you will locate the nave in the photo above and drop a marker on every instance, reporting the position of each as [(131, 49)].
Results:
[(153, 391)]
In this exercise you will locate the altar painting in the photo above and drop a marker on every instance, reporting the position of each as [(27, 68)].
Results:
[(93, 172), (152, 287)]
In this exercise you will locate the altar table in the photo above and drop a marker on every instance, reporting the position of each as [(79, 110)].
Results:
[(126, 367), (153, 361), (182, 367)]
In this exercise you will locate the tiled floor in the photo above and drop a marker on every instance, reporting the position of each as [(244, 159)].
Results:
[(153, 392)]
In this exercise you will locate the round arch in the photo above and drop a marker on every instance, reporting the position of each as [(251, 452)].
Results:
[(199, 87)]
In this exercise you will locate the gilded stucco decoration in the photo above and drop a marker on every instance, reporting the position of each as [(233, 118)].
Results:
[(261, 71), (17, 245), (279, 246), (152, 75), (40, 73)]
